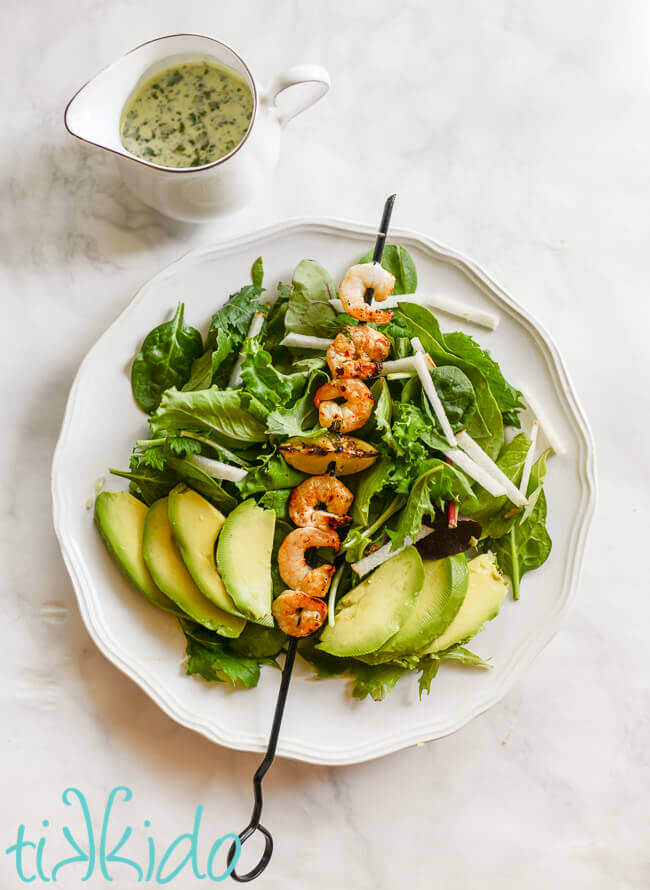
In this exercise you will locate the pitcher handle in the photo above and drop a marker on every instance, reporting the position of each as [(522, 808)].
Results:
[(298, 74)]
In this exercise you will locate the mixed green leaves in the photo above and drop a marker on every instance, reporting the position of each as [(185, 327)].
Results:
[(198, 408)]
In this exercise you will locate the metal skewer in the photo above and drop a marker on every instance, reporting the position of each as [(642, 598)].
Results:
[(255, 823)]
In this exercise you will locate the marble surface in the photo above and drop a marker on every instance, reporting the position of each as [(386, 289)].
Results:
[(514, 131)]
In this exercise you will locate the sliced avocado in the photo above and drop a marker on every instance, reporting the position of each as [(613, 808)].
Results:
[(485, 593), (168, 570), (375, 610), (196, 524), (120, 519), (445, 584), (244, 560)]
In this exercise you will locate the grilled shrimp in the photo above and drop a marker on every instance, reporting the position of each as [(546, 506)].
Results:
[(294, 568), (298, 614), (352, 414), (322, 502), (357, 352), (356, 282)]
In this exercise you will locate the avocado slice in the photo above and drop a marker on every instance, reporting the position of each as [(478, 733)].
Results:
[(120, 519), (168, 571), (485, 593), (196, 524), (244, 560), (375, 610), (445, 585)]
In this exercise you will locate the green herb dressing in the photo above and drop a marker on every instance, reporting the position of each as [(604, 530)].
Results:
[(187, 115)]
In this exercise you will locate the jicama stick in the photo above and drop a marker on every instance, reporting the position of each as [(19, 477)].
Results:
[(433, 397), (530, 459), (474, 450), (481, 317), (553, 439), (377, 557), (304, 341), (217, 469), (476, 472)]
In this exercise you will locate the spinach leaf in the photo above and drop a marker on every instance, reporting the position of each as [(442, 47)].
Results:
[(456, 394), (438, 483), (298, 419), (164, 360), (219, 413), (486, 425), (271, 476), (528, 545), (309, 311), (257, 272), (507, 397), (235, 316), (399, 262), (215, 659)]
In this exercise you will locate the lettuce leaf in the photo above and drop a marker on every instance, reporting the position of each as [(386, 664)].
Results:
[(273, 475), (217, 412), (300, 417), (270, 386)]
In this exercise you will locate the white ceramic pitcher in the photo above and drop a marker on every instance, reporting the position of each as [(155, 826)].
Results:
[(190, 193)]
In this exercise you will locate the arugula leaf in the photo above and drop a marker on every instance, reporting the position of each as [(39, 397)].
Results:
[(486, 425), (309, 310), (278, 501), (439, 483), (165, 359), (375, 680), (146, 483), (257, 272), (399, 262), (529, 544), (235, 316), (507, 397), (219, 413), (275, 474), (430, 665), (300, 417), (214, 659)]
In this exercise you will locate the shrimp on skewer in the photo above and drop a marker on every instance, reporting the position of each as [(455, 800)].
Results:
[(298, 614), (352, 414), (294, 568), (357, 352), (321, 502), (356, 282)]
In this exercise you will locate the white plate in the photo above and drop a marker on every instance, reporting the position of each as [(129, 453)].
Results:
[(322, 723)]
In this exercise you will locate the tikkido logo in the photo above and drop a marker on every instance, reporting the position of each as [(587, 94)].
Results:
[(97, 856)]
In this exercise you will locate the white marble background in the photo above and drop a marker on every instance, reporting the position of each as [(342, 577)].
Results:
[(514, 130)]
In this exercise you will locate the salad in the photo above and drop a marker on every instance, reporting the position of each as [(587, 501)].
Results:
[(325, 466)]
